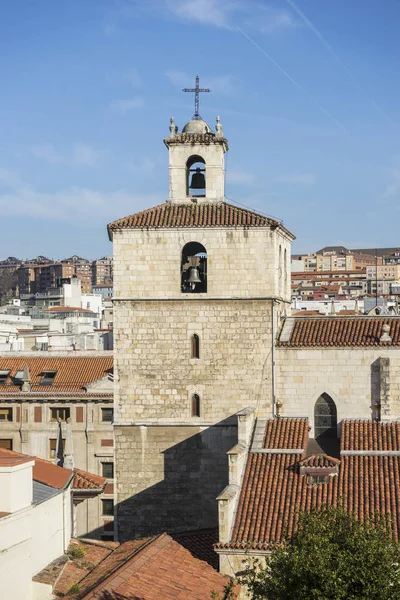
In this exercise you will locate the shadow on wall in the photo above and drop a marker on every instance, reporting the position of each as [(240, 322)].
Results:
[(195, 473)]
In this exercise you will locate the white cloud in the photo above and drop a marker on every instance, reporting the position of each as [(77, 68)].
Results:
[(296, 178), (9, 179), (124, 106), (225, 14), (80, 155), (145, 166)]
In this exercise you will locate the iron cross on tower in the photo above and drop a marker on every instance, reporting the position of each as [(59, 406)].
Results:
[(196, 91)]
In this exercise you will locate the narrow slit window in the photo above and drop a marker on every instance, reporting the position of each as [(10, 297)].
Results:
[(195, 346), (195, 405)]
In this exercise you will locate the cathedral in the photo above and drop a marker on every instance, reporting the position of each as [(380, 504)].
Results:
[(228, 411)]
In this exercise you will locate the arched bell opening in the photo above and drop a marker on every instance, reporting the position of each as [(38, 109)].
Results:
[(194, 268), (195, 405), (325, 424), (195, 346), (196, 177)]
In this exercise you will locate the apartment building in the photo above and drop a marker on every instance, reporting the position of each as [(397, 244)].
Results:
[(41, 396)]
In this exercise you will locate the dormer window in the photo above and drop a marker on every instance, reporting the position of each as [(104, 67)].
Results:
[(319, 468), (4, 376), (48, 377)]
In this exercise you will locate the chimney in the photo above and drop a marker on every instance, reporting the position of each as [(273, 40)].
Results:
[(26, 379), (16, 482)]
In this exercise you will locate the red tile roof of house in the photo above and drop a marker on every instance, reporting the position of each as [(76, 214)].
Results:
[(153, 568), (73, 372), (342, 331), (66, 309), (200, 544), (273, 490), (321, 461), (287, 434), (205, 214), (52, 475), (365, 435)]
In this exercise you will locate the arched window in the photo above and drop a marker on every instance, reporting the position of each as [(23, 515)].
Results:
[(196, 177), (325, 417), (195, 405), (194, 268), (195, 346)]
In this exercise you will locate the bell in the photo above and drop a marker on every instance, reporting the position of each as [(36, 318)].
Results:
[(194, 277), (198, 181)]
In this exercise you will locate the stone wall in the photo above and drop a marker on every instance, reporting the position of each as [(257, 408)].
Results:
[(155, 376), (169, 477), (357, 379), (242, 262)]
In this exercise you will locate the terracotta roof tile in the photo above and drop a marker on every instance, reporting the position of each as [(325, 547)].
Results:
[(321, 461), (160, 568), (9, 458), (73, 372), (342, 331), (286, 434), (364, 435), (200, 544), (50, 474), (273, 490), (195, 138), (87, 481), (205, 214)]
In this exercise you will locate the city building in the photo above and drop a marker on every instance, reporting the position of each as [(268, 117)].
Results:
[(37, 506), (43, 399)]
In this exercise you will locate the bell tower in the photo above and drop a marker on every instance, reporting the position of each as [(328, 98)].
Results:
[(199, 284), (196, 162)]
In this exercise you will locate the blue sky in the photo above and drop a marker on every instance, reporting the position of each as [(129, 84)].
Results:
[(307, 90)]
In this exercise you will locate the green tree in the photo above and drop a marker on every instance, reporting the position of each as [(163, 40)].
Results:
[(332, 556)]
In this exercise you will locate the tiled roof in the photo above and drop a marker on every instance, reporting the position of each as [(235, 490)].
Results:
[(200, 544), (360, 435), (87, 481), (66, 309), (207, 214), (341, 331), (288, 434), (321, 461), (52, 475), (73, 372), (150, 569), (195, 138), (8, 458), (273, 490)]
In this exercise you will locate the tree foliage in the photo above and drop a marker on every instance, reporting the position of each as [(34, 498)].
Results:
[(332, 556), (8, 284)]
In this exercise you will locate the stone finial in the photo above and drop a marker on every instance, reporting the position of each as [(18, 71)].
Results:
[(173, 129), (333, 310), (26, 380), (385, 337), (218, 128)]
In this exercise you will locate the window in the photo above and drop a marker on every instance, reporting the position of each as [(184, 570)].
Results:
[(107, 415), (107, 507), (195, 346), (4, 376), (108, 470), (325, 417), (317, 479), (54, 451), (195, 405), (59, 413), (6, 414), (194, 268), (196, 177), (17, 379), (6, 444), (48, 377)]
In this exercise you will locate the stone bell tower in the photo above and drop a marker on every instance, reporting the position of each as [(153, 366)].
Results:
[(198, 287)]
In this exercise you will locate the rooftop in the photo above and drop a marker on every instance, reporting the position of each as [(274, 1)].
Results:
[(152, 568), (273, 489), (73, 373), (205, 214), (338, 330)]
